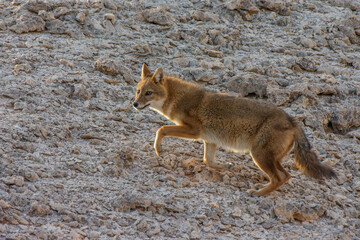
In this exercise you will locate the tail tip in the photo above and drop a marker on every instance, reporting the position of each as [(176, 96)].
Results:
[(333, 175), (330, 173)]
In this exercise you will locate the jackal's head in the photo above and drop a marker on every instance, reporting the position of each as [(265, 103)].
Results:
[(150, 91)]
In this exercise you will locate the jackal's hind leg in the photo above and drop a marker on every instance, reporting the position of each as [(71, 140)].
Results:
[(269, 166), (287, 175)]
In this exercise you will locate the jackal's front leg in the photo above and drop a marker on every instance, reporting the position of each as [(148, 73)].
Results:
[(174, 131), (209, 157)]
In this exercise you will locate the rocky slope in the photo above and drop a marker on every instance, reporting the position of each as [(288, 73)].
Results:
[(77, 162)]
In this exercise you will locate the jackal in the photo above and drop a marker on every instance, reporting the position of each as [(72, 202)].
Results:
[(239, 124)]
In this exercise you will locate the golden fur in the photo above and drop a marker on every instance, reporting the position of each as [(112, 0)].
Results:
[(238, 124)]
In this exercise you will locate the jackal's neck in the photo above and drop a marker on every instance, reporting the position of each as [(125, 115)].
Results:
[(176, 88), (158, 106), (177, 93), (163, 106)]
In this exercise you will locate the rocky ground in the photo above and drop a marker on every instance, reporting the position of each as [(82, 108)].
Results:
[(77, 161)]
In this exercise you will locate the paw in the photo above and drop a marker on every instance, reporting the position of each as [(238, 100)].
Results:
[(253, 192), (158, 150)]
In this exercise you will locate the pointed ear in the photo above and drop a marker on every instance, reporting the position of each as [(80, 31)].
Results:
[(145, 71), (158, 76)]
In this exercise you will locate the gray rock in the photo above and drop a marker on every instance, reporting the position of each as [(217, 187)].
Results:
[(349, 27), (61, 11), (158, 15), (14, 180), (39, 209), (35, 6), (110, 17), (20, 105), (245, 5), (2, 25), (28, 23), (357, 183), (354, 134), (96, 26), (281, 7), (4, 205), (94, 235), (97, 4), (3, 228), (77, 235), (247, 84), (307, 42), (24, 67), (19, 219), (278, 96), (308, 214), (80, 17), (343, 120), (307, 64), (288, 213), (213, 53), (46, 16), (356, 63), (31, 176), (110, 4), (108, 26), (112, 67), (81, 92), (130, 201), (353, 5), (154, 229), (204, 16), (55, 26)]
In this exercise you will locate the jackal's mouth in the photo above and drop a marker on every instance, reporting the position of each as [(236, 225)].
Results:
[(138, 108)]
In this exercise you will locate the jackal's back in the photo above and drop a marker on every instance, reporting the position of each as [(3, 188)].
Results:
[(235, 122)]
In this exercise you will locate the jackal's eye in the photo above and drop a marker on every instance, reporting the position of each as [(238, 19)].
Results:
[(138, 91), (148, 93)]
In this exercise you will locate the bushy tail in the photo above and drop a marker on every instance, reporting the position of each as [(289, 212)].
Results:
[(307, 161)]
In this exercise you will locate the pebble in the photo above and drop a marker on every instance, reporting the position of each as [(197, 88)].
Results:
[(80, 17), (158, 15), (39, 209), (47, 16), (279, 6), (4, 205), (110, 4), (55, 26), (20, 105), (191, 162), (110, 17), (3, 228), (2, 25), (308, 43), (14, 180), (245, 5)]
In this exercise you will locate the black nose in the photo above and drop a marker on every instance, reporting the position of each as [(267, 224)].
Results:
[(135, 104)]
